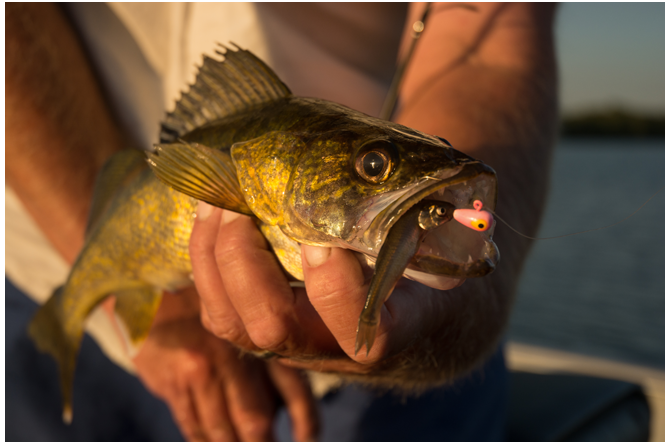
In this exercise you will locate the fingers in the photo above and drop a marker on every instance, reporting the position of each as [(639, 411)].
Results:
[(300, 403), (244, 290), (223, 397), (213, 393), (219, 316), (210, 405), (183, 412), (249, 302), (246, 264), (250, 398), (199, 410), (337, 289)]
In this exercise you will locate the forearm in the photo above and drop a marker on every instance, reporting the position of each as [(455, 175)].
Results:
[(59, 131), (485, 81)]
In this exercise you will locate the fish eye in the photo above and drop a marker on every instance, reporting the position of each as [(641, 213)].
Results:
[(441, 211), (374, 162)]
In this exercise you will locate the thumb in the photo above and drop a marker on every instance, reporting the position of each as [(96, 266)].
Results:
[(337, 289)]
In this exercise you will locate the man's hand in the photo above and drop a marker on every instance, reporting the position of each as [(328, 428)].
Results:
[(214, 392), (484, 78), (247, 299)]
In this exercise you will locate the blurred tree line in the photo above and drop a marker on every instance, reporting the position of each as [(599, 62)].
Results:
[(613, 123)]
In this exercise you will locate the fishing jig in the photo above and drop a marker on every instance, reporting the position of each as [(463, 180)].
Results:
[(472, 218), (477, 219)]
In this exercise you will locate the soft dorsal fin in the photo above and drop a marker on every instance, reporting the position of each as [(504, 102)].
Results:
[(116, 173), (223, 88)]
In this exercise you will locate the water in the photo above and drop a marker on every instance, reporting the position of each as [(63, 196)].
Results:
[(599, 293)]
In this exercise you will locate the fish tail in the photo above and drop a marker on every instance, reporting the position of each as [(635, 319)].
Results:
[(52, 336), (365, 334)]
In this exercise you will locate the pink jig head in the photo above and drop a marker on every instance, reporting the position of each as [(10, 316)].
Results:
[(477, 219)]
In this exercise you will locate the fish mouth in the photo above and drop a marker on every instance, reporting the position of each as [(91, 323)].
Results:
[(451, 252)]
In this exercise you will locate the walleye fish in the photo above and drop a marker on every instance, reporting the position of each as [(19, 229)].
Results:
[(308, 171)]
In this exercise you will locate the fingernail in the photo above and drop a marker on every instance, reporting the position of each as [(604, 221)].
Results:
[(229, 216), (204, 211), (316, 256)]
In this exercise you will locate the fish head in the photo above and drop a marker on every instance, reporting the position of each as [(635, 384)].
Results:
[(352, 184)]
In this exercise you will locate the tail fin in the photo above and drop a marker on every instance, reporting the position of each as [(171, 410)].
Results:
[(51, 334)]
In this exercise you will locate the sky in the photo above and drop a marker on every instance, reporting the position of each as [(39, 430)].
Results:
[(611, 54)]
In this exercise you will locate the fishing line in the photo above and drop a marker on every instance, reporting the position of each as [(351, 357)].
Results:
[(418, 27), (390, 102), (579, 232), (392, 95)]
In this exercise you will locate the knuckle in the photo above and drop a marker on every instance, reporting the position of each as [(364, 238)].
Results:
[(270, 333), (254, 426), (234, 334), (195, 367), (334, 295), (198, 245), (239, 237)]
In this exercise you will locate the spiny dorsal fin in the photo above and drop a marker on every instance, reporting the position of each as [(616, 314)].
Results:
[(117, 172), (223, 88)]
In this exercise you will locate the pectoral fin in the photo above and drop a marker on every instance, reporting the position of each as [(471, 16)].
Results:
[(200, 172), (135, 310)]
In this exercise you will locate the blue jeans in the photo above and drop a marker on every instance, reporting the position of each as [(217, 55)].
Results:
[(112, 405)]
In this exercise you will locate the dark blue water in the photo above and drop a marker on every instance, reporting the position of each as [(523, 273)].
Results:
[(599, 293)]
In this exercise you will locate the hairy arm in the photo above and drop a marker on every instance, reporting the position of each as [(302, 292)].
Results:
[(59, 131), (485, 80)]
